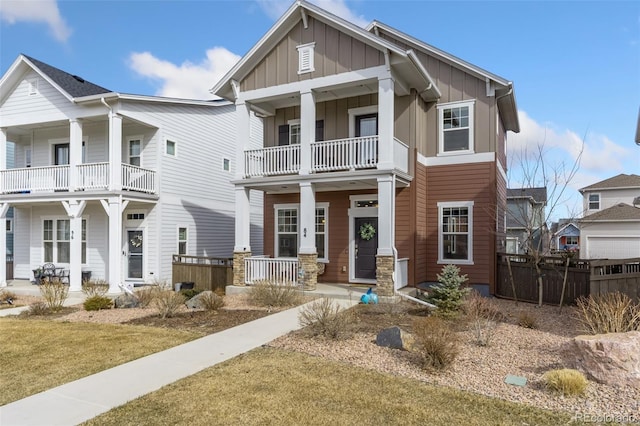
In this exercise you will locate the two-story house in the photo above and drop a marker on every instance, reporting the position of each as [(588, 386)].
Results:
[(383, 157), (114, 184), (610, 228), (526, 226), (565, 235)]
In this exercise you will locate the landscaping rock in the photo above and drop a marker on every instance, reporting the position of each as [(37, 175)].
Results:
[(195, 302), (395, 338), (126, 301), (612, 359)]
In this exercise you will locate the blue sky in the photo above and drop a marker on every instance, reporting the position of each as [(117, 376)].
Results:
[(575, 65)]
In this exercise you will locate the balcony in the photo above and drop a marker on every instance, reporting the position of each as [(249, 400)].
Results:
[(326, 156), (91, 176)]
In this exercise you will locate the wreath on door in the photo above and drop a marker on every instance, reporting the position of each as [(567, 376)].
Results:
[(367, 231), (136, 241)]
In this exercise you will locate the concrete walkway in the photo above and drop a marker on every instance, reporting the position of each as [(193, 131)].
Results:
[(83, 399)]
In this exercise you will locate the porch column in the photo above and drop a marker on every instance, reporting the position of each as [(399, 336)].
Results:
[(74, 210), (308, 253), (242, 248), (307, 129), (75, 152), (3, 211), (115, 152), (243, 136), (385, 259), (114, 274), (386, 121)]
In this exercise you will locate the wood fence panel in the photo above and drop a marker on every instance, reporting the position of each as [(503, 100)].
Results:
[(611, 275), (207, 273)]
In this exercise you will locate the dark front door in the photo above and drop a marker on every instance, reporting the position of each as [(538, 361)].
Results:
[(61, 154), (366, 247), (135, 254)]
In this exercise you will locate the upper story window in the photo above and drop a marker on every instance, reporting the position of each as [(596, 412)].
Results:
[(182, 240), (294, 132), (135, 151), (456, 127), (171, 148), (594, 201), (305, 57), (226, 164)]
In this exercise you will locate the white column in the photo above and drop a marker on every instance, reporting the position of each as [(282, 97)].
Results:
[(3, 209), (307, 219), (75, 152), (75, 263), (114, 274), (385, 123), (243, 136), (243, 220), (307, 130), (115, 152), (386, 217)]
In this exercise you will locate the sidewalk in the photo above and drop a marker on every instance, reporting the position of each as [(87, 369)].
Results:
[(83, 399)]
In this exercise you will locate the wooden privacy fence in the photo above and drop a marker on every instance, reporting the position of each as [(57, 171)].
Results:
[(207, 273), (611, 275), (552, 268)]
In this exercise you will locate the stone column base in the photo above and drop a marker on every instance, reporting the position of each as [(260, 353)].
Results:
[(309, 265), (238, 267), (384, 275)]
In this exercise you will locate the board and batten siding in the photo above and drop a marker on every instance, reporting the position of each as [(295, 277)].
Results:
[(334, 53)]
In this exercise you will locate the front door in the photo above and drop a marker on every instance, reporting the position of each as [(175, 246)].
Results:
[(135, 254), (61, 154), (366, 246)]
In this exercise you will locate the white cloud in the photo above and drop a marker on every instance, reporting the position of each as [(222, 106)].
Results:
[(276, 8), (46, 11), (188, 80)]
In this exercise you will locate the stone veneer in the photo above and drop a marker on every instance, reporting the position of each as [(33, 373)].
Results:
[(309, 264), (384, 275), (238, 267)]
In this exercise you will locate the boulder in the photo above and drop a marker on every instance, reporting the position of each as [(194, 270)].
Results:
[(126, 301), (612, 359), (195, 302), (395, 338)]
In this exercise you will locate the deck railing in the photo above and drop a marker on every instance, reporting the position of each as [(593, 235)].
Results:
[(400, 155), (35, 179), (275, 160), (344, 154), (136, 178), (93, 176), (277, 271)]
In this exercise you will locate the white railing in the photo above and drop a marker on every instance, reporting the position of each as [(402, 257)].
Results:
[(93, 176), (136, 178), (35, 179), (400, 156), (277, 271), (275, 160), (344, 154)]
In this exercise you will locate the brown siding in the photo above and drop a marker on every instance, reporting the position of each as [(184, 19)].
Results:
[(420, 201), (335, 52)]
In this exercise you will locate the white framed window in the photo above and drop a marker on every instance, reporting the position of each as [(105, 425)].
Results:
[(33, 86), (27, 157), (135, 216), (182, 239), (455, 121), (594, 201), (572, 240), (9, 226), (226, 164), (56, 240), (512, 245), (170, 148), (455, 232), (305, 57), (294, 132), (134, 150), (287, 230), (322, 232)]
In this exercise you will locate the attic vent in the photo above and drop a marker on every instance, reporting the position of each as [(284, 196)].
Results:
[(80, 79), (305, 57), (33, 86)]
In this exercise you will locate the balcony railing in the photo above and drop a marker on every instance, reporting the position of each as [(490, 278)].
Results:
[(275, 160), (274, 271), (91, 176), (344, 154)]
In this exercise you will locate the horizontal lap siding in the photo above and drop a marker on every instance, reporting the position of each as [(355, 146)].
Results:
[(420, 262)]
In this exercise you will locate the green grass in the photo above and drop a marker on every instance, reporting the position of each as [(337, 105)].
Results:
[(269, 386), (38, 355)]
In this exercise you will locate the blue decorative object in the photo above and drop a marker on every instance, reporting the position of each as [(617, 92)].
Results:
[(369, 297)]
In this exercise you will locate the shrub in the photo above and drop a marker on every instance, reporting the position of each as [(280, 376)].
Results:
[(527, 320), (54, 294), (483, 316), (7, 296), (97, 302), (608, 313), (436, 343), (565, 381), (168, 302), (38, 308), (267, 294), (188, 294), (211, 301), (448, 294), (145, 295), (95, 288), (324, 317)]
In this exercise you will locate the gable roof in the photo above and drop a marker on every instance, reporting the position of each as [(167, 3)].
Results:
[(538, 195), (558, 228), (619, 212), (616, 182)]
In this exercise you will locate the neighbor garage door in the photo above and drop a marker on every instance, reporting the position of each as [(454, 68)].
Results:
[(613, 247)]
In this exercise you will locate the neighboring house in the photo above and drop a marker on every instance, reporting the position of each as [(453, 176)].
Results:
[(610, 228), (383, 157), (565, 235), (113, 183), (526, 226)]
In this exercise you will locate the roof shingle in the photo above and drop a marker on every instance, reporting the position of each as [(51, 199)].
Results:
[(620, 181), (539, 194), (618, 212)]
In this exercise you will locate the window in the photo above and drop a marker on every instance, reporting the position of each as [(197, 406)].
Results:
[(305, 58), (9, 226), (594, 201), (226, 164), (56, 238), (512, 245), (287, 233), (572, 240), (135, 216), (170, 148), (182, 240), (135, 147), (456, 127), (294, 132), (455, 232), (321, 233)]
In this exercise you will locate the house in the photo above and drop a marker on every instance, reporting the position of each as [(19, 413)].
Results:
[(114, 184), (610, 227), (526, 226), (565, 235), (383, 157)]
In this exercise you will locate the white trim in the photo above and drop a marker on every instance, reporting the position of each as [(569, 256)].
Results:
[(226, 164), (145, 250), (461, 104), (589, 194), (356, 112), (447, 204), (296, 207), (446, 160), (292, 123), (306, 53), (54, 253), (353, 213), (52, 144)]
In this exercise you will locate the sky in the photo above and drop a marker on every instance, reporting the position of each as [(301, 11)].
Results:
[(575, 65)]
